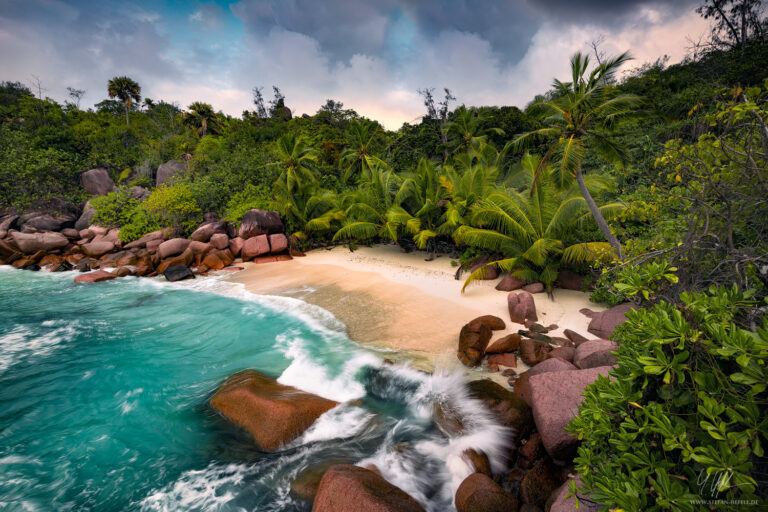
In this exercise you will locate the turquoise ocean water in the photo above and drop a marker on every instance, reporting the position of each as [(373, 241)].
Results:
[(104, 390)]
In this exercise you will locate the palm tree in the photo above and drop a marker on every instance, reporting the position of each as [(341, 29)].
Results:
[(126, 90), (371, 210), (465, 128), (358, 157), (581, 115), (202, 118), (421, 197), (295, 159), (528, 229)]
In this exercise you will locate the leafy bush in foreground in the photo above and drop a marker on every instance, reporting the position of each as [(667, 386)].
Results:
[(684, 423)]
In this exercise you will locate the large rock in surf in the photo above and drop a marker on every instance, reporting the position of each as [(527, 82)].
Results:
[(555, 399), (30, 243), (509, 409), (348, 488), (95, 277), (605, 322), (272, 413), (168, 170), (97, 182), (479, 493), (178, 273), (260, 222)]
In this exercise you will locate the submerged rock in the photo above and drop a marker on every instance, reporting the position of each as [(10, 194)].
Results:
[(95, 277), (272, 413), (478, 493), (348, 488)]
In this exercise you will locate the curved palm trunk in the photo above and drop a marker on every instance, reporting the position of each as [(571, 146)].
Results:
[(595, 211), (127, 122)]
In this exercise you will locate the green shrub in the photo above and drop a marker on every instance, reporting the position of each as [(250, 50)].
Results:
[(114, 209), (174, 207), (252, 196), (139, 224), (640, 284), (684, 421)]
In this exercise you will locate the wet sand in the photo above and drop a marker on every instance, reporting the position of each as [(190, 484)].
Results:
[(399, 301)]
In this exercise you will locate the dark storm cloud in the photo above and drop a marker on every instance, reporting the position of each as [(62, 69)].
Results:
[(605, 12)]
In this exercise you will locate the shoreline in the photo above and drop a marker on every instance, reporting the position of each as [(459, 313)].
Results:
[(398, 301)]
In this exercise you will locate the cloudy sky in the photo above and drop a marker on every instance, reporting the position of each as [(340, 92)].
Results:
[(372, 55)]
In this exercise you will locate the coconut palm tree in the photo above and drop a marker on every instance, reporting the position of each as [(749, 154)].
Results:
[(421, 197), (202, 118), (295, 160), (465, 128), (358, 158), (371, 210), (529, 229), (126, 90), (580, 117)]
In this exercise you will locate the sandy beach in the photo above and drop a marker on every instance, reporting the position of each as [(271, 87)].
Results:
[(397, 300)]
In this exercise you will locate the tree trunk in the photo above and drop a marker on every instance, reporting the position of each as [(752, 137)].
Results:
[(595, 211), (127, 122)]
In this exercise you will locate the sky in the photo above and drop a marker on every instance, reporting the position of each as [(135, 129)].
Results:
[(373, 56)]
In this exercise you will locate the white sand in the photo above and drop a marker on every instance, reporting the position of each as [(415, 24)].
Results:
[(397, 300)]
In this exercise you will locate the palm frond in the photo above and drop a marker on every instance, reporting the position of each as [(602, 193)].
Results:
[(588, 252)]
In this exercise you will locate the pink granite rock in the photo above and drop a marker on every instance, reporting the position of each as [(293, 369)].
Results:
[(555, 399)]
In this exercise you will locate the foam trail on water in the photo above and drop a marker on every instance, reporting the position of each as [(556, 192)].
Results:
[(432, 468), (212, 488), (306, 374), (22, 342)]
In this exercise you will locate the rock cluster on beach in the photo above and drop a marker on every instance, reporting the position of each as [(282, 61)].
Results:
[(64, 238), (541, 403), (214, 245)]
